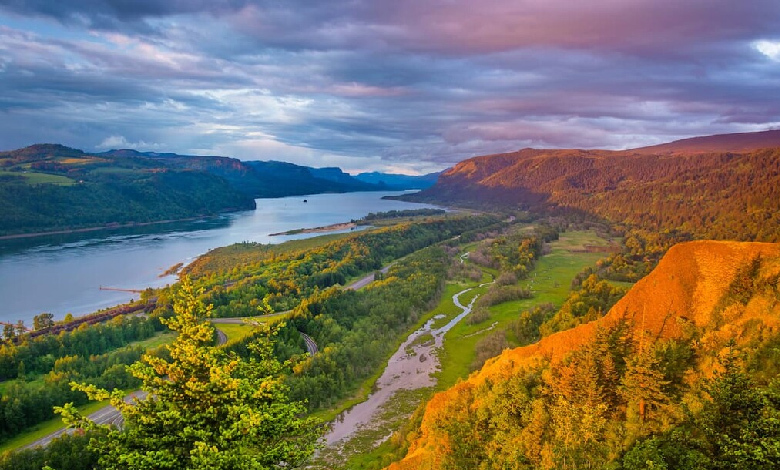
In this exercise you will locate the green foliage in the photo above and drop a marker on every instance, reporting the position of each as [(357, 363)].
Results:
[(737, 428), (68, 452), (205, 408), (242, 286), (38, 371), (591, 301), (356, 331), (526, 327), (396, 214), (513, 252), (724, 196), (106, 199), (490, 346)]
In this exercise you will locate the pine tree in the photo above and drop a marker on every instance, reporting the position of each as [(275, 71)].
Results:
[(205, 408)]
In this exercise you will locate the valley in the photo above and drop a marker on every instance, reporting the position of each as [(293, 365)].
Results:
[(577, 319)]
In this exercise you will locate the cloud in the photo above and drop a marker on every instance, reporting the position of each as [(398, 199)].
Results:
[(770, 49), (116, 142), (418, 85)]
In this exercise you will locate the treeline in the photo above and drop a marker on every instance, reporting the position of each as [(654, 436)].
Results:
[(38, 355), (514, 253), (356, 331), (68, 452), (725, 196), (616, 404), (396, 214), (707, 398), (107, 199), (593, 291), (25, 404), (282, 280)]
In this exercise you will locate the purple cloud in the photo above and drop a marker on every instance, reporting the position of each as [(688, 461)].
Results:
[(422, 84)]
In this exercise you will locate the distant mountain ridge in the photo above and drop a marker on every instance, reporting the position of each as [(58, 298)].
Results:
[(709, 193), (740, 142), (47, 187), (394, 181)]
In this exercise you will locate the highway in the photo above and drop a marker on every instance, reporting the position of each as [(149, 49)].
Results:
[(110, 415), (361, 283), (106, 415)]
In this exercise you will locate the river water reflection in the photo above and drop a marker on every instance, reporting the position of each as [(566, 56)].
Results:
[(63, 274)]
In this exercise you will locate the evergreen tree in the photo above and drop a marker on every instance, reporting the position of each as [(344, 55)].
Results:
[(205, 408)]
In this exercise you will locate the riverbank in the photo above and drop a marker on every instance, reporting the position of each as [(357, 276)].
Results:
[(111, 226), (406, 380), (323, 229)]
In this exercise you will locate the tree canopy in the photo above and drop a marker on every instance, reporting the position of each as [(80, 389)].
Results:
[(205, 408)]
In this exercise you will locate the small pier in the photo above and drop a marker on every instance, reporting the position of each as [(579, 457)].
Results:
[(134, 291)]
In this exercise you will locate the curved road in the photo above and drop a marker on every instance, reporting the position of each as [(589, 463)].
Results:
[(107, 414), (360, 283), (110, 415)]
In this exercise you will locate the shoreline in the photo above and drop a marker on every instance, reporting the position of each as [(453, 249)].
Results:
[(102, 227), (323, 229)]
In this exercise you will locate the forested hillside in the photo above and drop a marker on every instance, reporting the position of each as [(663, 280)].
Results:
[(51, 187), (682, 373), (708, 194)]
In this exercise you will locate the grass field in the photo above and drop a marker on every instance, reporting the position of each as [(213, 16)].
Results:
[(235, 331), (550, 282), (160, 338), (41, 178)]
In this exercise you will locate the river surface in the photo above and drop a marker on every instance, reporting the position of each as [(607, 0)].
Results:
[(63, 274)]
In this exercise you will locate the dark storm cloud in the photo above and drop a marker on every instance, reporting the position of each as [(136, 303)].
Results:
[(385, 83), (115, 12)]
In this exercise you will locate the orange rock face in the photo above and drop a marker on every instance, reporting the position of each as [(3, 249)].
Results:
[(685, 289)]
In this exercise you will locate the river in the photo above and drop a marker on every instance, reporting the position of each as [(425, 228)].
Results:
[(63, 274)]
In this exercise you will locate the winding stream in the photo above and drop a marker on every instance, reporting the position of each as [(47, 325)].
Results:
[(410, 368)]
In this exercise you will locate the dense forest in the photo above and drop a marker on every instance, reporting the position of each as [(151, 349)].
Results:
[(251, 278), (37, 371), (35, 374), (724, 196), (50, 187), (663, 354)]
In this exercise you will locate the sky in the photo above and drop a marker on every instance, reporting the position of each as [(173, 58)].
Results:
[(408, 86)]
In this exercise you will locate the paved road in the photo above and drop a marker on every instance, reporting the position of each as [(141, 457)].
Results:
[(110, 415), (311, 346), (221, 336), (106, 415), (360, 283)]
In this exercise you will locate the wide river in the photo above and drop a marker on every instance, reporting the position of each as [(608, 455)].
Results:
[(63, 274)]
